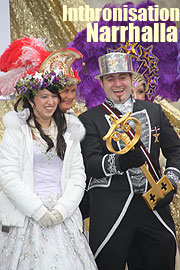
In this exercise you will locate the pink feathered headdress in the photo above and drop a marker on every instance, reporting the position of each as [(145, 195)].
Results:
[(26, 56), (23, 56)]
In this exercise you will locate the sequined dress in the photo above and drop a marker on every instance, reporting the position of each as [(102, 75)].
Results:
[(59, 247)]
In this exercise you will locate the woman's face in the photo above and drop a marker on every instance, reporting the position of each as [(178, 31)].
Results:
[(44, 105), (67, 97), (139, 92)]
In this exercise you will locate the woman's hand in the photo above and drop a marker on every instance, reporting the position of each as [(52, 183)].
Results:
[(57, 215), (48, 219)]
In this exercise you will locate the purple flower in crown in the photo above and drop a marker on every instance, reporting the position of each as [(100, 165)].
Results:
[(44, 84), (57, 80), (36, 86), (52, 79), (53, 74), (37, 81), (30, 85), (41, 82)]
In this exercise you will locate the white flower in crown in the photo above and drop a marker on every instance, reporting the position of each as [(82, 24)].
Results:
[(28, 76), (58, 71), (37, 75)]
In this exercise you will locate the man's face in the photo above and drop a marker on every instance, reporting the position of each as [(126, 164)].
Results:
[(117, 86)]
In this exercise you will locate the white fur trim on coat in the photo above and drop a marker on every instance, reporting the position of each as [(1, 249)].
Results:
[(15, 119)]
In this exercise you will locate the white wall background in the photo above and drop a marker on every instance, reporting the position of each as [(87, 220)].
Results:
[(4, 28), (4, 25)]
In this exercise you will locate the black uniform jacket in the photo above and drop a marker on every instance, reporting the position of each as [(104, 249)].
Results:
[(110, 195)]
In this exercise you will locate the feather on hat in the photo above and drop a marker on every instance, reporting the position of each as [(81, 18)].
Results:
[(23, 56), (28, 66)]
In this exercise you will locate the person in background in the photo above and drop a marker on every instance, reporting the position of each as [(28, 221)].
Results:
[(41, 171), (139, 87), (68, 95), (119, 215)]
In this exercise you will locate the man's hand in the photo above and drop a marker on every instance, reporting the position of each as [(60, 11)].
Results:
[(132, 159), (165, 201)]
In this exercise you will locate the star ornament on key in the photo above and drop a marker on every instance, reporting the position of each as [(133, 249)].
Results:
[(146, 55)]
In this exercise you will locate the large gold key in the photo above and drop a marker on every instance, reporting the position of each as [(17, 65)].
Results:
[(158, 189)]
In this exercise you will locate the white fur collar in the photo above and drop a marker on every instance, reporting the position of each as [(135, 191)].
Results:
[(15, 119), (75, 127)]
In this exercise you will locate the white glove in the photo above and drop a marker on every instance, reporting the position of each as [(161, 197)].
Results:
[(47, 220), (57, 216)]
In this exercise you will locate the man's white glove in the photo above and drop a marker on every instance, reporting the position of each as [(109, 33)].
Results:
[(48, 219), (57, 216)]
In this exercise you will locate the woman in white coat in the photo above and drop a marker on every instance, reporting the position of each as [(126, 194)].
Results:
[(42, 182)]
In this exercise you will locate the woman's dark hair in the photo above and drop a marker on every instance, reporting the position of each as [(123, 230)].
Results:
[(59, 119)]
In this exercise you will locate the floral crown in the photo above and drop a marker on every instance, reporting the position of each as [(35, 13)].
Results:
[(29, 85)]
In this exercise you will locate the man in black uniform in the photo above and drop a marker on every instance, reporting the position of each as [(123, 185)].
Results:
[(119, 216)]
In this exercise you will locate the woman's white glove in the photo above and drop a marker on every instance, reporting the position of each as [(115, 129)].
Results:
[(48, 219), (57, 216)]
